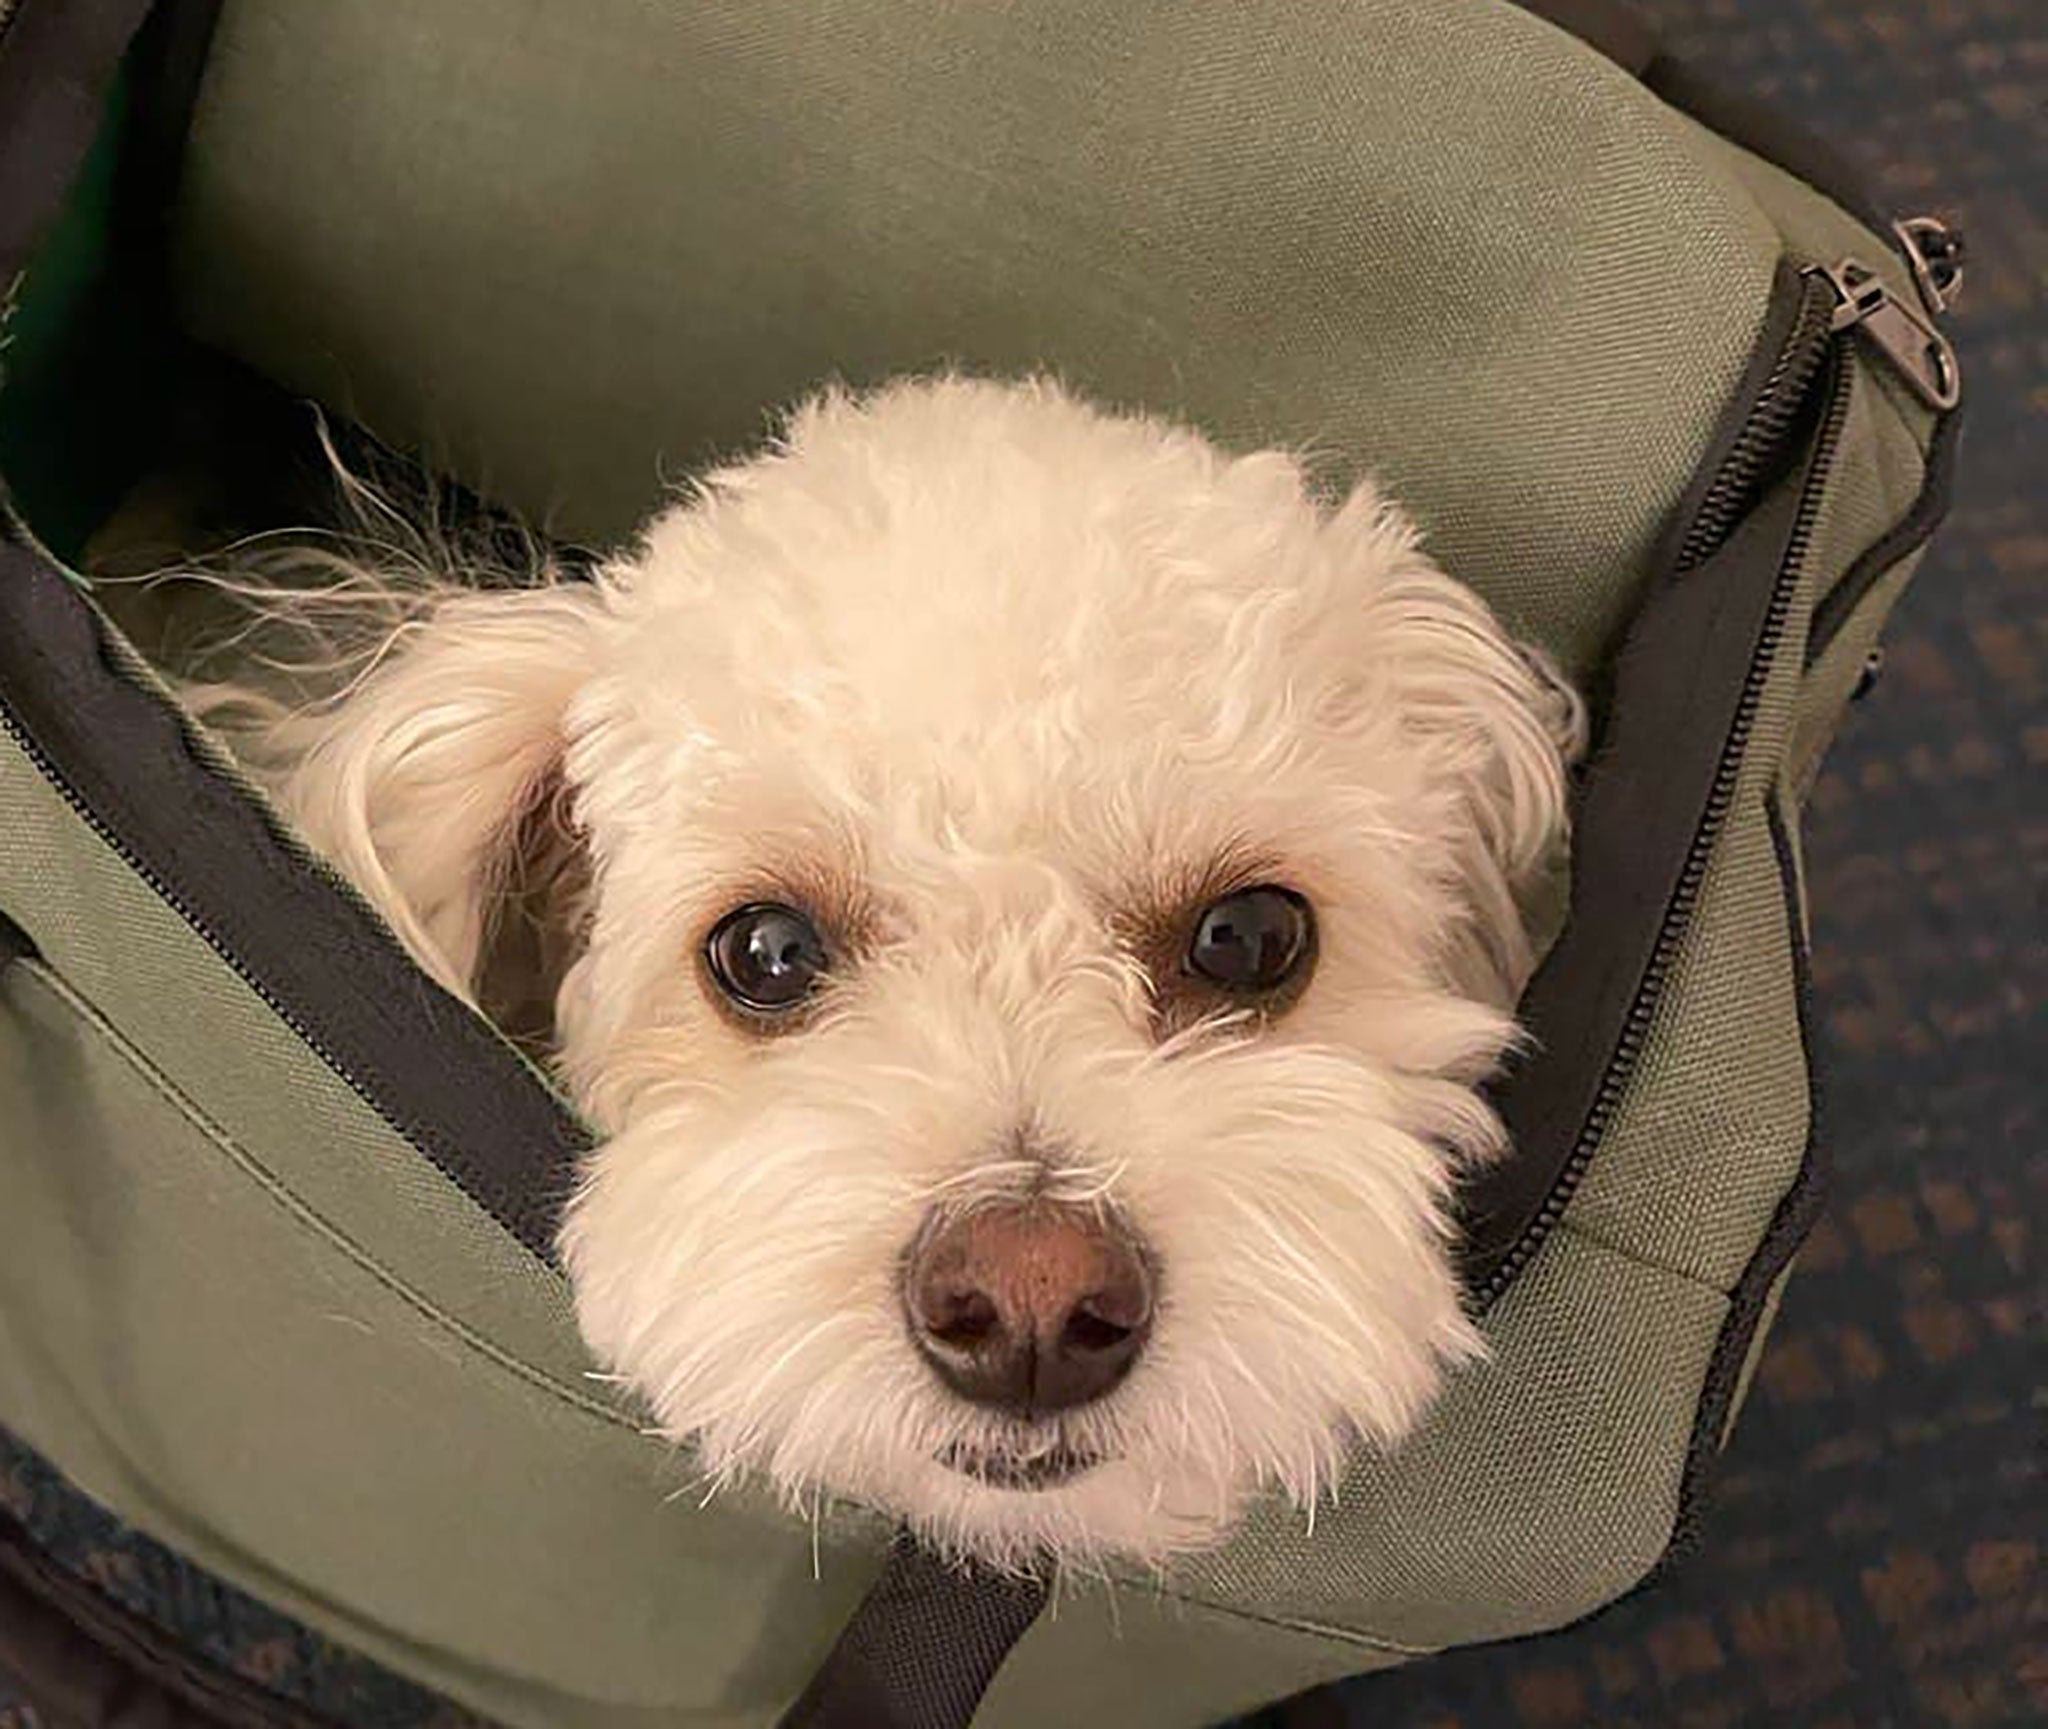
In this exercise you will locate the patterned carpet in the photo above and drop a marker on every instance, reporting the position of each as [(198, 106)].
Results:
[(1874, 1560)]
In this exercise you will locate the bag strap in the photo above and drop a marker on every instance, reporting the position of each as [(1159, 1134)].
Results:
[(921, 1649), (57, 62), (1614, 28), (1624, 33)]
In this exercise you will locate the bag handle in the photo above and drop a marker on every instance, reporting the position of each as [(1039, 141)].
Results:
[(922, 1647), (1621, 31)]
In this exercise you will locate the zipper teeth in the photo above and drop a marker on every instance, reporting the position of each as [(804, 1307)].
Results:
[(178, 904), (1678, 913), (1763, 433)]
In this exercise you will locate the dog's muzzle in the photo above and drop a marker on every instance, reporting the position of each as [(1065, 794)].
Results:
[(1028, 1307)]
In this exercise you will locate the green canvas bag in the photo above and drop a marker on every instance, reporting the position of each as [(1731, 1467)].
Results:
[(275, 1274)]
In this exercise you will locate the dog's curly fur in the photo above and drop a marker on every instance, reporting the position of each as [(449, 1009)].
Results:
[(1001, 688)]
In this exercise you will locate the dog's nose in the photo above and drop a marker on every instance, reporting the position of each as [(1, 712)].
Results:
[(1029, 1308)]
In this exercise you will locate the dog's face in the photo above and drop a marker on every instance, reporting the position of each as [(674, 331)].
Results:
[(1045, 898)]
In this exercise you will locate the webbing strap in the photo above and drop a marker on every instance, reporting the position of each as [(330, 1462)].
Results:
[(922, 1647)]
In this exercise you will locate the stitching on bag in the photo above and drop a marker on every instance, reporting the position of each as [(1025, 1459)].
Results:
[(307, 1217), (1635, 1257), (1293, 1624)]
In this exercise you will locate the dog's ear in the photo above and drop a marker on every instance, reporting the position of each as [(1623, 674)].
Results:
[(1501, 722), (435, 782)]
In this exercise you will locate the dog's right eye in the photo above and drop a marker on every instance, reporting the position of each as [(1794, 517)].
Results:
[(1253, 941), (765, 957)]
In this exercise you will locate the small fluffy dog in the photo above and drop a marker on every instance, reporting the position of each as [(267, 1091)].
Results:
[(1027, 899)]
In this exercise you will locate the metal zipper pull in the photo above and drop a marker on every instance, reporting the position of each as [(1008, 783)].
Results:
[(1902, 333)]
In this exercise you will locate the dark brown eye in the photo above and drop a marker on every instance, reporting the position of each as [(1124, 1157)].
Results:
[(1253, 941), (766, 957)]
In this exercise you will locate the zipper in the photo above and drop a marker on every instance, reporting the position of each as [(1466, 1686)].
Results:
[(1905, 335), (1759, 448), (1756, 457), (1845, 296), (49, 770), (177, 903), (1837, 302)]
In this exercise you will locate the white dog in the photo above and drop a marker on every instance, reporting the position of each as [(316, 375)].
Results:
[(1027, 899)]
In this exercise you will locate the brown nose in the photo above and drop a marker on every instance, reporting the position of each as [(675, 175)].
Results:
[(1029, 1308)]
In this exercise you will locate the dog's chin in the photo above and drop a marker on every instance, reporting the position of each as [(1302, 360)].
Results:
[(1062, 1507), (1029, 1473)]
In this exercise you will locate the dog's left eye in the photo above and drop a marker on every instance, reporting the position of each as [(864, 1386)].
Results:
[(766, 957), (1255, 940)]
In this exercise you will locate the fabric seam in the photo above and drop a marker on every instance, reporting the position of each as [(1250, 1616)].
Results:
[(1294, 1624), (302, 1213)]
